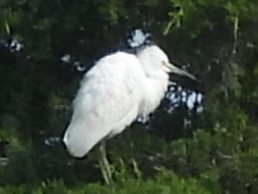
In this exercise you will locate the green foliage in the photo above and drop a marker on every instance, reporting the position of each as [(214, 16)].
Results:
[(167, 182), (214, 150)]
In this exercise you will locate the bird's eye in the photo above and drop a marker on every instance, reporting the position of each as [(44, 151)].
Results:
[(164, 63)]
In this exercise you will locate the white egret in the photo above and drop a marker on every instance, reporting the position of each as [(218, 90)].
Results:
[(119, 88)]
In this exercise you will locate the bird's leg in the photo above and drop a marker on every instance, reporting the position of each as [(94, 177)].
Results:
[(104, 164)]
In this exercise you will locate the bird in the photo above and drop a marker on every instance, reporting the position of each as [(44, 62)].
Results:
[(117, 90)]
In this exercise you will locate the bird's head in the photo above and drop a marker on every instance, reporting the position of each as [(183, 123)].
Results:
[(153, 58)]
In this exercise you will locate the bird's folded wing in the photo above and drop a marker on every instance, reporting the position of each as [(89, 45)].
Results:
[(107, 101)]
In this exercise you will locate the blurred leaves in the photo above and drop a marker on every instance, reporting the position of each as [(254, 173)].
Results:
[(210, 148)]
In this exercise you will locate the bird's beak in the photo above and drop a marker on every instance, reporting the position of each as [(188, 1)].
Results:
[(176, 70)]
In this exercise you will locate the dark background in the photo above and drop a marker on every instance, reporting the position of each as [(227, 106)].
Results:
[(211, 147)]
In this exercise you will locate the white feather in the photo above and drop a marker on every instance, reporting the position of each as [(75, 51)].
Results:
[(107, 101), (117, 90)]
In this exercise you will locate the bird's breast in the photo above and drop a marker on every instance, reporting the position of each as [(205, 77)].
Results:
[(153, 93)]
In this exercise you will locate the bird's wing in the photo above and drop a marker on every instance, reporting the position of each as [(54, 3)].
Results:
[(107, 102)]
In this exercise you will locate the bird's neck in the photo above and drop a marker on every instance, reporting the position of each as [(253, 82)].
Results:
[(155, 88)]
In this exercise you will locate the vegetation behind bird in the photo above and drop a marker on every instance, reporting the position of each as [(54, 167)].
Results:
[(209, 151)]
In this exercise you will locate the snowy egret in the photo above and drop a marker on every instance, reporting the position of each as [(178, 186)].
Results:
[(118, 89)]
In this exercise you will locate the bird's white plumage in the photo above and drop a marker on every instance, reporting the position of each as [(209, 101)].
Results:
[(118, 89)]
